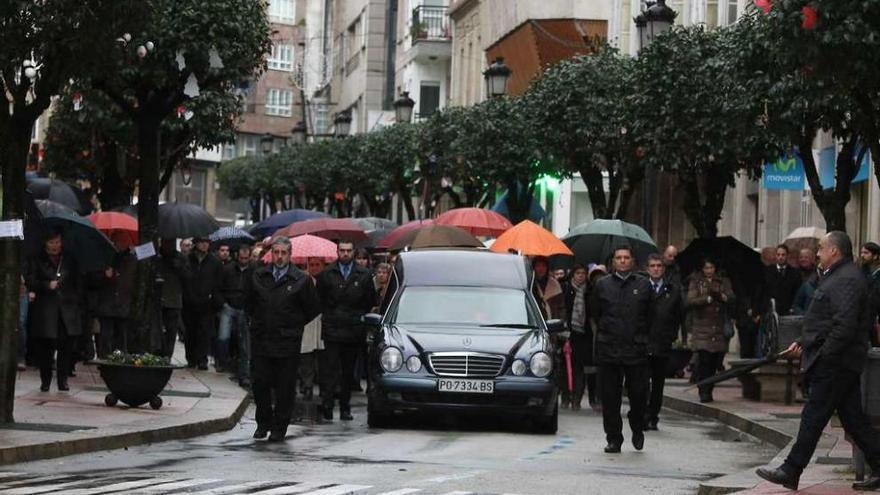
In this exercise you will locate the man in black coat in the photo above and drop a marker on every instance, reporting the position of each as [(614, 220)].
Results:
[(347, 293), (280, 299), (781, 283), (833, 350), (174, 273), (114, 288), (620, 306), (201, 303), (869, 257), (667, 313), (233, 319)]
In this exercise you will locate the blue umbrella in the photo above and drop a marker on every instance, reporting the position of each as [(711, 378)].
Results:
[(231, 236), (283, 219), (536, 212)]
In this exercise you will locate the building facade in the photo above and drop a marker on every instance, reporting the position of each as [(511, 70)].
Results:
[(423, 54)]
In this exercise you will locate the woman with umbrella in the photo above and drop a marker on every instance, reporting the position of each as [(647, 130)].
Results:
[(55, 310), (709, 297)]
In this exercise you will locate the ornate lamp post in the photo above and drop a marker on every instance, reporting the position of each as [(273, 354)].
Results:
[(496, 76), (342, 123), (298, 134), (403, 107)]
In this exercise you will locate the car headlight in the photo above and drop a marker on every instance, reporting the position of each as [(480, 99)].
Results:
[(414, 364), (391, 359), (519, 367), (541, 364)]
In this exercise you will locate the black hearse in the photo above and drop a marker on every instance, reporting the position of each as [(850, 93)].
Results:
[(462, 333)]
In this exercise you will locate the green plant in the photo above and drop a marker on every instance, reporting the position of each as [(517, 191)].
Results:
[(145, 359)]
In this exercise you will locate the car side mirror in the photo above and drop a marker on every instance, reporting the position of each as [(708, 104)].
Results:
[(555, 326), (372, 319)]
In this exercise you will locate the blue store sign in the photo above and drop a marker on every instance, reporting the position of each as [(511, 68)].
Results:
[(787, 173)]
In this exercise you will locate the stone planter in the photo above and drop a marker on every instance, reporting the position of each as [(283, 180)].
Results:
[(134, 385)]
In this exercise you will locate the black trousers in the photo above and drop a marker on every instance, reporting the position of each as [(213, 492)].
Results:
[(657, 366), (113, 336), (45, 351), (612, 379), (833, 388), (171, 323), (273, 382), (199, 334), (748, 338), (336, 372), (707, 365)]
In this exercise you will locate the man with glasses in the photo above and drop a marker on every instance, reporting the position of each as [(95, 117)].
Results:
[(347, 292), (280, 299)]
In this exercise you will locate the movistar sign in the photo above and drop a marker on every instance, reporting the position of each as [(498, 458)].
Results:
[(785, 173)]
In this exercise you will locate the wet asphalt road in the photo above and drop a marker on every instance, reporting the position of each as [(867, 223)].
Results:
[(423, 455)]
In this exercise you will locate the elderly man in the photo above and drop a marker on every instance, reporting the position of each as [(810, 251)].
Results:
[(279, 300), (620, 307), (834, 350), (807, 264)]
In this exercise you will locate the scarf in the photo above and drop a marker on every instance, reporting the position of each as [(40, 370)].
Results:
[(579, 309)]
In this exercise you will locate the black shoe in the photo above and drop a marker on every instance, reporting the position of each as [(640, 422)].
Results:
[(245, 384), (203, 366), (651, 425), (261, 433), (612, 448), (638, 440), (190, 365), (345, 415), (277, 436), (327, 412), (706, 398), (44, 387), (779, 476), (872, 483)]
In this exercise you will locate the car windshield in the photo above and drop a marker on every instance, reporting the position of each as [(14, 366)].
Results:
[(480, 306)]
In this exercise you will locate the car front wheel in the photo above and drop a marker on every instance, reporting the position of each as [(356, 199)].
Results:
[(548, 425)]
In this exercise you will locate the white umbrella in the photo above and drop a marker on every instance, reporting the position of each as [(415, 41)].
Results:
[(806, 233)]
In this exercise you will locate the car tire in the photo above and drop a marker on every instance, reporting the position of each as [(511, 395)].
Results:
[(378, 420), (548, 425)]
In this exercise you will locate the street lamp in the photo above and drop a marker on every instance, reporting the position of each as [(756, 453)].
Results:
[(496, 77), (342, 123), (653, 21), (298, 133), (403, 107), (267, 142)]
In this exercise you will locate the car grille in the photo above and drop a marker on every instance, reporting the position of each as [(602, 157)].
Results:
[(466, 364)]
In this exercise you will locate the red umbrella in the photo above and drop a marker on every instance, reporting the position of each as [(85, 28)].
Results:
[(122, 229), (395, 235), (477, 221), (308, 246), (328, 228)]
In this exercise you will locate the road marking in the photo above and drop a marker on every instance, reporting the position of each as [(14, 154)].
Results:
[(224, 490), (176, 485), (115, 487), (31, 480), (293, 487), (457, 493), (454, 477), (341, 490), (34, 490), (402, 491)]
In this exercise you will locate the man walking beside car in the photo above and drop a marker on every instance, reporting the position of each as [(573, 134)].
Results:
[(347, 292), (279, 300), (834, 350), (666, 316), (620, 306)]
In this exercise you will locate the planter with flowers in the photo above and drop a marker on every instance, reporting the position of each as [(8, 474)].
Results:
[(135, 379)]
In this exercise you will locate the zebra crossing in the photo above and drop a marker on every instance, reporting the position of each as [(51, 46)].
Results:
[(14, 483)]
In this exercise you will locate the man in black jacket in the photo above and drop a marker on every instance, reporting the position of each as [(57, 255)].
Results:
[(869, 256), (620, 306), (233, 319), (347, 292), (201, 303), (833, 350), (781, 283), (174, 273), (666, 316), (280, 300)]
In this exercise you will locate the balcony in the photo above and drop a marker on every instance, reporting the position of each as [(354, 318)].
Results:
[(430, 34)]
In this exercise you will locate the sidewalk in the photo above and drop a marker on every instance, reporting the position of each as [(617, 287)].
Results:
[(774, 423), (52, 424)]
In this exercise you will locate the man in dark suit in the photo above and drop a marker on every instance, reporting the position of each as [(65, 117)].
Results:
[(201, 303), (667, 312), (834, 350), (781, 283), (347, 293)]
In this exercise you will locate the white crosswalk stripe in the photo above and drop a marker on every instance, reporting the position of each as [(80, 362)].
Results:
[(12, 483)]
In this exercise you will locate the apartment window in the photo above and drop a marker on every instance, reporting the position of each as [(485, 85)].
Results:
[(229, 151), (281, 11), (712, 14), (732, 13), (281, 57), (279, 102), (248, 145), (321, 116), (429, 98)]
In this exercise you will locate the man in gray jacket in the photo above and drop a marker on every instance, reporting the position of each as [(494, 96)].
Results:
[(834, 351)]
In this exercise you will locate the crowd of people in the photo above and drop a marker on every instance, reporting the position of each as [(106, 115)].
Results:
[(276, 323)]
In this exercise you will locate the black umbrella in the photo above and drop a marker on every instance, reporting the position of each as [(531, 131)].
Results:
[(57, 191), (182, 220), (737, 261), (34, 230), (230, 236), (738, 370), (48, 207), (595, 242), (91, 249)]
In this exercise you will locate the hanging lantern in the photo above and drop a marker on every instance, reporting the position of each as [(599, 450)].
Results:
[(811, 17), (764, 5)]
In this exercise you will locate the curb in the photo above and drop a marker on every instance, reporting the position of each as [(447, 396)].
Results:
[(34, 452)]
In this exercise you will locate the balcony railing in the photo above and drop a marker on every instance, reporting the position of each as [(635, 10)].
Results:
[(430, 24)]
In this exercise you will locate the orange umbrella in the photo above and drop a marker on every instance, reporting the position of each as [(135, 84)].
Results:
[(530, 239), (477, 221), (119, 227)]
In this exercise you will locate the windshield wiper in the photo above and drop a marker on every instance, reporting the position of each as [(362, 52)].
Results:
[(509, 325)]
